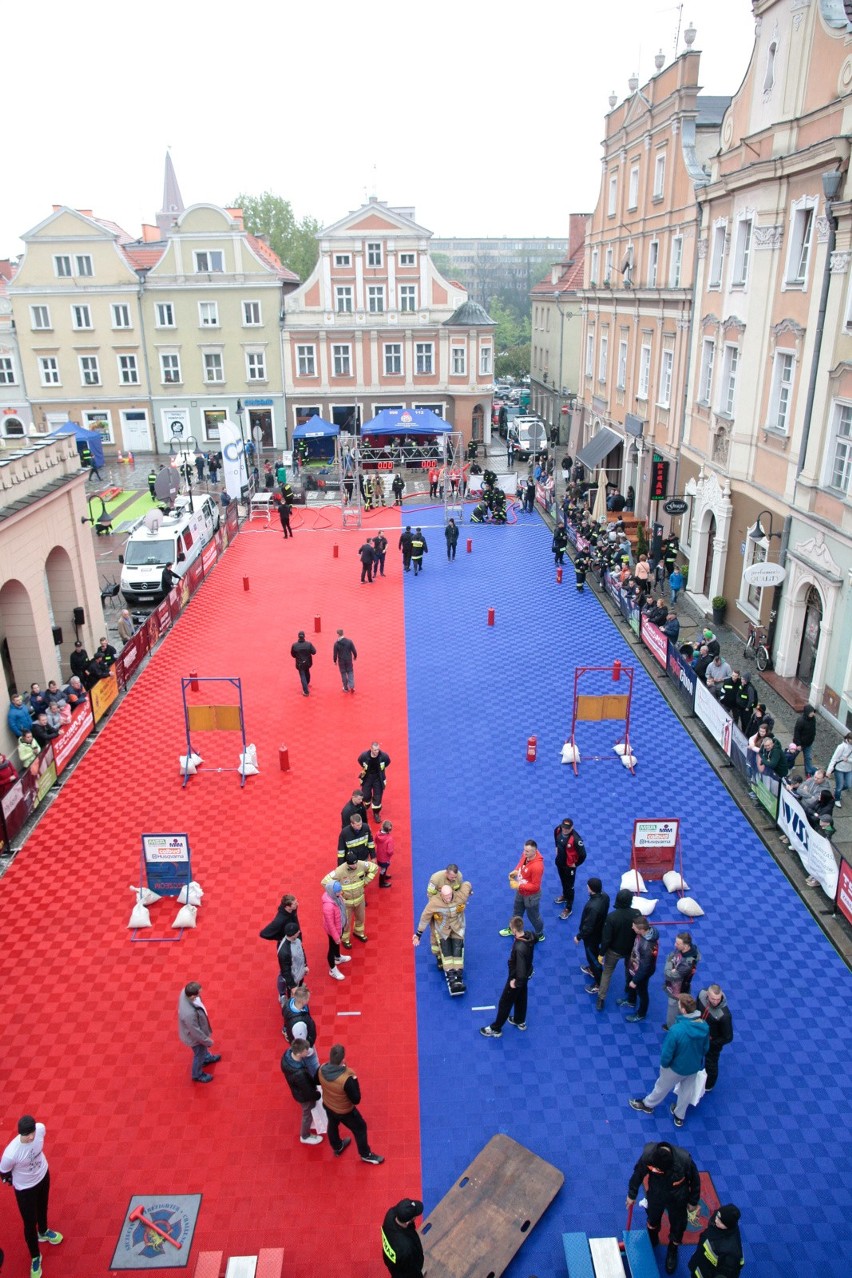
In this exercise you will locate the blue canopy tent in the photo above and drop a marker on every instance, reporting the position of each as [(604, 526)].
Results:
[(91, 438), (406, 421), (316, 427)]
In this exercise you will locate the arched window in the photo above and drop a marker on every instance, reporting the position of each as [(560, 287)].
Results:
[(13, 428), (769, 78)]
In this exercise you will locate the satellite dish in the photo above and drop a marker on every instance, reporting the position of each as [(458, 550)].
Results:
[(167, 485), (153, 520)]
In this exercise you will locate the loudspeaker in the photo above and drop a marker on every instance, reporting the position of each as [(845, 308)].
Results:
[(57, 636), (79, 617)]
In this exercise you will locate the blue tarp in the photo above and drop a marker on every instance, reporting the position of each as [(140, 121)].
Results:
[(406, 421), (316, 427), (93, 438)]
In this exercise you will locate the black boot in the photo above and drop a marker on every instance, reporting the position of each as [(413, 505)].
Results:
[(654, 1235), (671, 1258)]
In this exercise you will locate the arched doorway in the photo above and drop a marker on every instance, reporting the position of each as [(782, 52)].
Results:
[(62, 598), (810, 636), (18, 637), (477, 422), (709, 557)]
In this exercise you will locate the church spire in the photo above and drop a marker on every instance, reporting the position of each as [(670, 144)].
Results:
[(172, 199)]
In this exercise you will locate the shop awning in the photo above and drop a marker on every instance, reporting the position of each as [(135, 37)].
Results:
[(599, 447)]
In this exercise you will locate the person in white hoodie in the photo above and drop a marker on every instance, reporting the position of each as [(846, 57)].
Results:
[(840, 767), (24, 1166)]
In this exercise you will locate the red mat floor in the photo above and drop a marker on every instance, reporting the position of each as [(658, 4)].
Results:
[(90, 1041)]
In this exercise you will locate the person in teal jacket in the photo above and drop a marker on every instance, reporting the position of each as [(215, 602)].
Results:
[(684, 1049)]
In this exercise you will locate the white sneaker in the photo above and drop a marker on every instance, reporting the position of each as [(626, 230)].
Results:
[(311, 1140), (338, 976), (344, 958)]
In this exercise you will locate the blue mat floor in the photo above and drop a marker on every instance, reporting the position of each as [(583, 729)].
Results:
[(774, 1134)]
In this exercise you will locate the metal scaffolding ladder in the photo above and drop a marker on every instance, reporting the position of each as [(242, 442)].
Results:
[(348, 462)]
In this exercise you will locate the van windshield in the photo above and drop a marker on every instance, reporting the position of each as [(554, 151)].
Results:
[(159, 552)]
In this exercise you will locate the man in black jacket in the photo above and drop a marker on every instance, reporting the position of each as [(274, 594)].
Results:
[(714, 1009), (804, 735), (303, 653), (570, 855), (355, 837), (591, 927), (719, 1253), (514, 996), (673, 1186), (374, 764), (344, 654), (616, 943), (355, 805), (405, 540), (367, 554), (402, 1250), (302, 1086)]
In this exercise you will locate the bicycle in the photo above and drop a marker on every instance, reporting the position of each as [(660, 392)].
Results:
[(756, 647)]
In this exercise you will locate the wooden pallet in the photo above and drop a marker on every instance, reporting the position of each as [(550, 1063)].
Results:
[(479, 1225)]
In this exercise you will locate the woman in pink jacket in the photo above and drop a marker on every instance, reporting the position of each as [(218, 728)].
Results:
[(334, 921)]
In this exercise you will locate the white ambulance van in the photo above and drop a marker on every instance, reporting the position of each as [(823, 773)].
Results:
[(177, 539)]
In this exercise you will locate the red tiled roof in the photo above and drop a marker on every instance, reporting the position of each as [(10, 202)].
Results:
[(570, 269), (7, 270), (272, 259), (143, 256), (113, 227)]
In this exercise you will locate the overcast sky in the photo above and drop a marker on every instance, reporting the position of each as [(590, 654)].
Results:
[(484, 115)]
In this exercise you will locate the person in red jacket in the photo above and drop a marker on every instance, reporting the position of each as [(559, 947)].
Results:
[(8, 775), (525, 881), (570, 855)]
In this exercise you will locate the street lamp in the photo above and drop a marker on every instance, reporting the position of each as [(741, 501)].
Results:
[(757, 533)]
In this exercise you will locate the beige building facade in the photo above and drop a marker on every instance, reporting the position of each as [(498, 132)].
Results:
[(556, 334), (377, 326), (640, 264), (766, 464)]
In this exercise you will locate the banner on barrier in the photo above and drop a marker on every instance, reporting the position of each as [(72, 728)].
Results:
[(103, 693), (66, 745), (714, 716), (194, 576), (739, 755), (655, 641), (167, 862), (131, 656), (844, 891), (683, 675), (210, 554), (814, 849), (766, 788)]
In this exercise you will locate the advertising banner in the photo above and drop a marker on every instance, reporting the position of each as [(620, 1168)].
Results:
[(46, 775), (232, 520), (194, 576), (163, 613), (766, 787), (131, 656), (167, 862), (210, 554), (102, 694), (233, 458), (655, 641), (18, 803), (682, 674), (66, 745), (714, 716), (654, 847), (814, 849), (844, 891), (739, 755)]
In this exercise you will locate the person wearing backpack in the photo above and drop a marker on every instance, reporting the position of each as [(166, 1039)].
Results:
[(641, 966)]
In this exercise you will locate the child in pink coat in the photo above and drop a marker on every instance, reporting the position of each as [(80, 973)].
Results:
[(384, 853)]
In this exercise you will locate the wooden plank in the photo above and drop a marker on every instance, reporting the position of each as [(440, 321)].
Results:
[(270, 1262), (208, 1264), (606, 1257), (479, 1225), (640, 1254), (578, 1258)]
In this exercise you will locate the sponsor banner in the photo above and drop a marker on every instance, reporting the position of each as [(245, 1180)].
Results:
[(232, 520), (152, 629), (740, 755), (103, 694), (66, 745), (163, 613), (572, 534), (844, 891), (193, 576), (18, 803), (46, 775), (210, 554), (682, 674), (167, 862), (233, 458), (766, 787), (714, 716), (655, 834), (815, 851), (131, 656), (655, 641), (612, 589)]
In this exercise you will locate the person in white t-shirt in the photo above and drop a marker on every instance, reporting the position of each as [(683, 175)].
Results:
[(24, 1166)]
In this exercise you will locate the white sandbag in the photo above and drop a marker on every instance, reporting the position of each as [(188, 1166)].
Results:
[(187, 765), (251, 755), (633, 881), (195, 892), (139, 916), (674, 882), (691, 908), (645, 905), (186, 916), (248, 768), (620, 748), (145, 895), (629, 760), (570, 753)]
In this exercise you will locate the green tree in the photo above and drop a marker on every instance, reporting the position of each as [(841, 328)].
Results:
[(294, 241), (514, 362)]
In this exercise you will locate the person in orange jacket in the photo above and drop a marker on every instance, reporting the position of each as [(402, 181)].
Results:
[(433, 481), (525, 881)]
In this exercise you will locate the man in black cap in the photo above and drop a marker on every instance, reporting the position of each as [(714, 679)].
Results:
[(303, 653), (719, 1253), (402, 1250), (24, 1166), (674, 1186), (570, 855)]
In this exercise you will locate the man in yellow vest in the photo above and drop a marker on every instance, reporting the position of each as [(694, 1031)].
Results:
[(353, 875)]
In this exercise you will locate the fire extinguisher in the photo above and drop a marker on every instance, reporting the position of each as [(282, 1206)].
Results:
[(532, 749)]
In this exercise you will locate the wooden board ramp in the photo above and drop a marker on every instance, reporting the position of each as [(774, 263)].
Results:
[(479, 1225)]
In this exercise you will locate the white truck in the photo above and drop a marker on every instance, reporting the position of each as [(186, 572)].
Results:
[(177, 538)]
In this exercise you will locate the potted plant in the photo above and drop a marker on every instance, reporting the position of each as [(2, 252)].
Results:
[(719, 604)]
